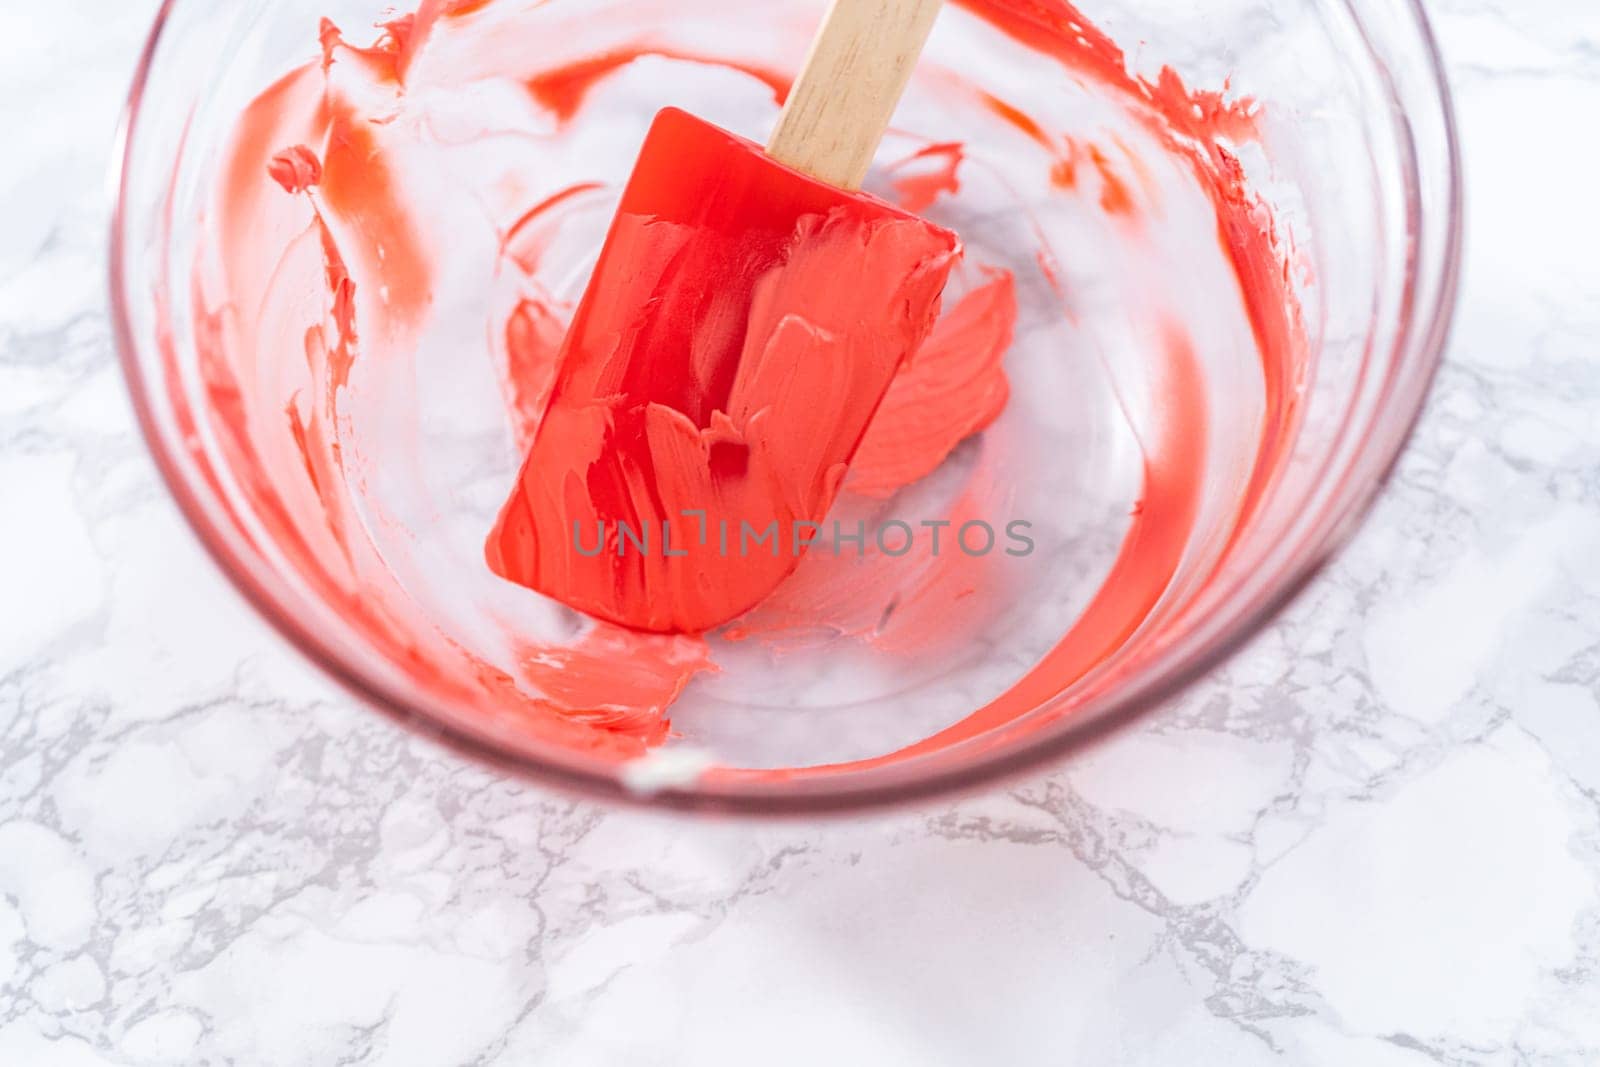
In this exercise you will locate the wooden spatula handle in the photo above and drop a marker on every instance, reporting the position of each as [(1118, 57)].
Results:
[(847, 90)]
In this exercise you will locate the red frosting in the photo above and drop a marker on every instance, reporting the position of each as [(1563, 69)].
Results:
[(740, 330), (318, 195)]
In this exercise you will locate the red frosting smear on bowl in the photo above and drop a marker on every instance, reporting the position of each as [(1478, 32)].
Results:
[(313, 184)]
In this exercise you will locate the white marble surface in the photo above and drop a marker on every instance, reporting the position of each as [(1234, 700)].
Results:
[(1374, 839)]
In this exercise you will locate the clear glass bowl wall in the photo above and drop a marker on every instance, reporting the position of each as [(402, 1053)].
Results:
[(1356, 156)]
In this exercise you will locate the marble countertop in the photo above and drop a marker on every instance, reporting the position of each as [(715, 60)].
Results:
[(1373, 839)]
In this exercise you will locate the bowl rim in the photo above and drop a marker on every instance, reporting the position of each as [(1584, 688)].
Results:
[(817, 796)]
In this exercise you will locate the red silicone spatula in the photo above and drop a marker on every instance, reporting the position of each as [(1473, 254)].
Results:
[(747, 313)]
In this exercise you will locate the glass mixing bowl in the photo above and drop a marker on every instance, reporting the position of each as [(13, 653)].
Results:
[(1355, 154)]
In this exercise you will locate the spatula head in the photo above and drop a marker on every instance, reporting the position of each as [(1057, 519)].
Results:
[(740, 329)]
